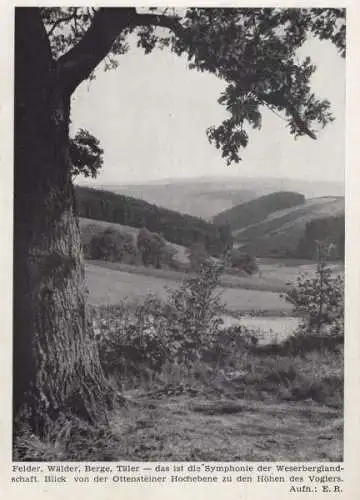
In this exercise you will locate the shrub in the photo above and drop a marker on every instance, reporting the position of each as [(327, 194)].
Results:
[(113, 245), (320, 300), (242, 261), (192, 312), (154, 250), (141, 339), (132, 340)]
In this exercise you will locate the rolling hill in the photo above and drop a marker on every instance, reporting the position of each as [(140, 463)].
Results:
[(91, 227), (207, 196), (280, 233), (174, 226), (255, 211), (199, 198)]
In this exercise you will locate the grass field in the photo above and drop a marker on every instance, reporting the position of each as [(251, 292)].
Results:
[(110, 282), (108, 286), (251, 405)]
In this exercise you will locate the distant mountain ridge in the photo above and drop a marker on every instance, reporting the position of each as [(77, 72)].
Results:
[(207, 196)]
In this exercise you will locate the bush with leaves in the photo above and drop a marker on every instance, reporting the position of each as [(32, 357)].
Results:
[(320, 300), (239, 260), (113, 245), (86, 154), (154, 250), (132, 341), (145, 337), (192, 312)]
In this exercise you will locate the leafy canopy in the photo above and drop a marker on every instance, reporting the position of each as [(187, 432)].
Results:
[(253, 50), (85, 153)]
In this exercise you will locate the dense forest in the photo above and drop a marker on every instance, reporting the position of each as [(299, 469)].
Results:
[(173, 226), (330, 230), (256, 210)]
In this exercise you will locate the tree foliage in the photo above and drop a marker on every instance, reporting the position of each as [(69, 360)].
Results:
[(192, 312), (86, 154), (330, 230), (113, 245), (181, 329), (319, 300), (254, 50), (239, 260), (154, 249)]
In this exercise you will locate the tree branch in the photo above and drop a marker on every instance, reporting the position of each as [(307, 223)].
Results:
[(60, 21), (79, 62), (270, 102), (172, 23)]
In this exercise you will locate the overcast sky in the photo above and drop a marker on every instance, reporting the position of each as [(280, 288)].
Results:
[(151, 116)]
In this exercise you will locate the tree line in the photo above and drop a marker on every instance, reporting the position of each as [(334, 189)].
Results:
[(175, 227), (256, 210), (329, 230)]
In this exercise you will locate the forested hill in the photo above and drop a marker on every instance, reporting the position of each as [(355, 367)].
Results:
[(256, 210), (294, 232), (175, 227)]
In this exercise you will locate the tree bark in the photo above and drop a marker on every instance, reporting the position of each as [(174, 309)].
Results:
[(55, 364)]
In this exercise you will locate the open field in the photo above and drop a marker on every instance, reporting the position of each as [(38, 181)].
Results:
[(255, 282), (265, 407), (109, 286), (287, 270), (251, 404), (110, 282)]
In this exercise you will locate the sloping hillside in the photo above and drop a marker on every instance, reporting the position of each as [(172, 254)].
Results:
[(90, 227), (257, 210), (280, 233), (173, 226)]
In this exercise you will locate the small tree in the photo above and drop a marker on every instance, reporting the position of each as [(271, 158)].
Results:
[(153, 249), (192, 312), (113, 245), (320, 299)]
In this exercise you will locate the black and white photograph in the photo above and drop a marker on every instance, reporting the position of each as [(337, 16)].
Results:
[(179, 234)]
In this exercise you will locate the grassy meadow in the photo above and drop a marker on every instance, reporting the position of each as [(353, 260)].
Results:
[(239, 399)]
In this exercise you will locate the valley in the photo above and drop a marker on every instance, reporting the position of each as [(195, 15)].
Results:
[(254, 404)]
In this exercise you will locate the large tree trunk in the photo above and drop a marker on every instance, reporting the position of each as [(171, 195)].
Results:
[(56, 366)]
